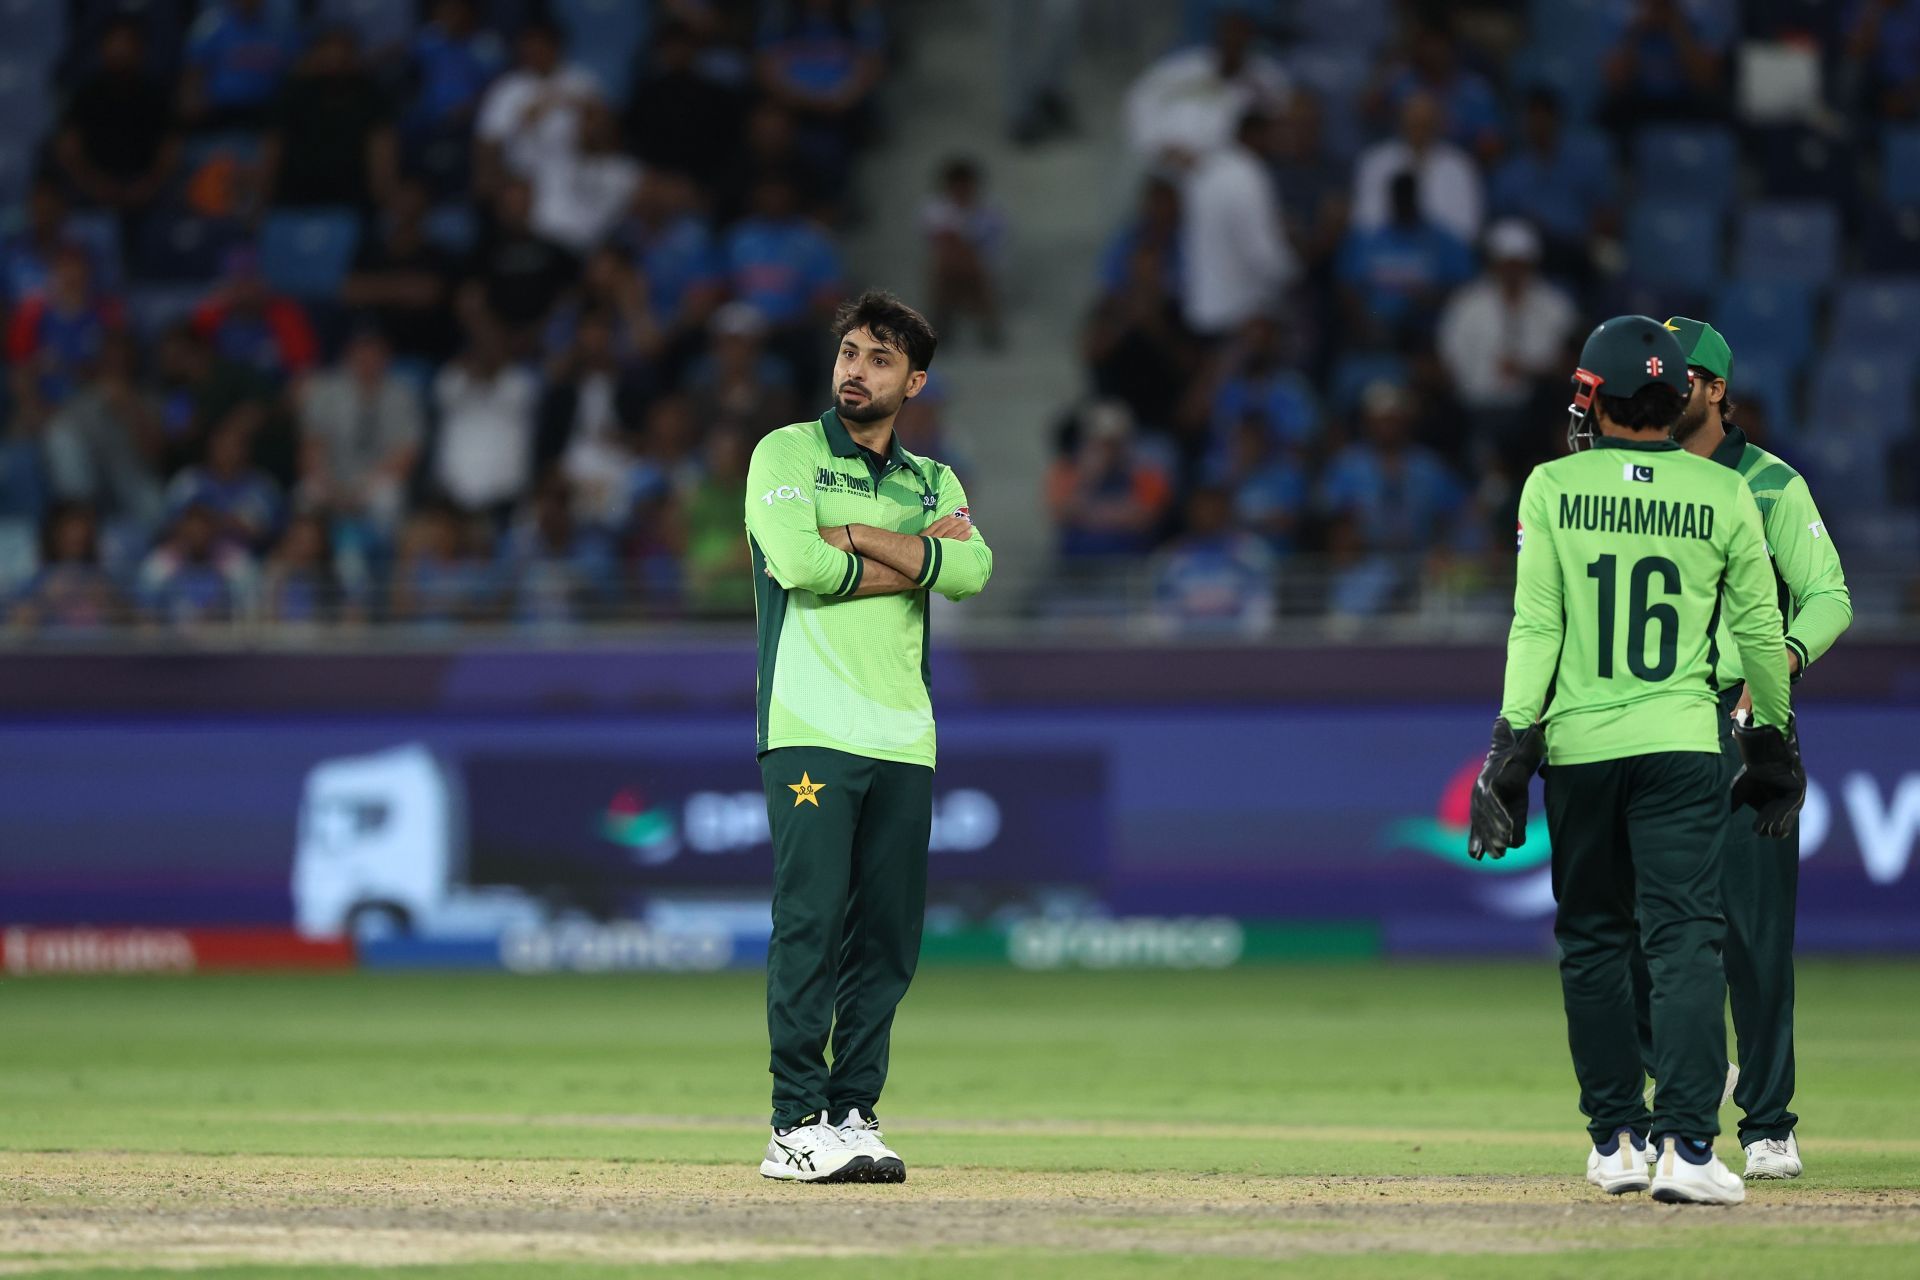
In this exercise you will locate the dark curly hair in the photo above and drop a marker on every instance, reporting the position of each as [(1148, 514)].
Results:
[(1654, 406)]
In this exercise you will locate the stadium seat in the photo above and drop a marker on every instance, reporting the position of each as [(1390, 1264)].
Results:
[(382, 24), (1766, 315), (1566, 71), (33, 28), (1868, 396), (1360, 370), (183, 247), (1876, 316), (1337, 75), (1789, 240), (1890, 240), (25, 102), (1358, 26), (1767, 384), (1675, 244), (1900, 165), (16, 174), (307, 253), (1805, 164), (1701, 160), (1581, 28), (151, 309), (604, 36), (99, 233)]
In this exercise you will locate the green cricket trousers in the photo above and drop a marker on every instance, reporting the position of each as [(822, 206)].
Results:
[(849, 903), (1642, 832), (1760, 891)]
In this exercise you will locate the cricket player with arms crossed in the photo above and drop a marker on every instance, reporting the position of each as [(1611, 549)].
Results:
[(849, 533), (1631, 551), (1760, 874)]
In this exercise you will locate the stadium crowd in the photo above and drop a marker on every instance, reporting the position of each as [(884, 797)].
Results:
[(1338, 327), (330, 310)]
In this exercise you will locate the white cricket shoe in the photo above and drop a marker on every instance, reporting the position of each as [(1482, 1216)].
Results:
[(1773, 1158), (1726, 1095), (1623, 1169), (861, 1133), (813, 1152), (1677, 1180)]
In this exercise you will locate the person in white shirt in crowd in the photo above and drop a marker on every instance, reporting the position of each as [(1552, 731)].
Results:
[(1502, 334), (1449, 183), (483, 455), (360, 433), (1233, 238), (966, 237), (1191, 101), (581, 195), (532, 112)]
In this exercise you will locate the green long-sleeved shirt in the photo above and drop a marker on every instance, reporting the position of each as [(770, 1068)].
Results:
[(848, 674), (1631, 554), (1812, 589)]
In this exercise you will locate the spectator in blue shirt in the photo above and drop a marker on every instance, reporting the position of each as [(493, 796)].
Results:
[(674, 253), (787, 267), (1216, 578), (1661, 68), (1467, 101), (1258, 384), (243, 500), (1270, 484), (1560, 184), (70, 592), (194, 577), (237, 56), (453, 62), (1156, 223), (26, 256), (821, 60), (1884, 37), (1391, 504), (1395, 277)]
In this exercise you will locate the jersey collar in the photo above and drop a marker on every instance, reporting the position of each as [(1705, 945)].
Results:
[(1729, 451), (1645, 446), (841, 442)]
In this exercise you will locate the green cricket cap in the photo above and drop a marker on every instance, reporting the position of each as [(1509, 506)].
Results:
[(1704, 346), (1627, 353)]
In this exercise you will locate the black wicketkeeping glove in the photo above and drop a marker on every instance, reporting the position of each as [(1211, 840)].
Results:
[(1498, 811), (1770, 777)]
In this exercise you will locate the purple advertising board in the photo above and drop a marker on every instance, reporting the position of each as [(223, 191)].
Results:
[(466, 826)]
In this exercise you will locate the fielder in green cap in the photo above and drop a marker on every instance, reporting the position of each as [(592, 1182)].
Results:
[(1630, 550), (1760, 875)]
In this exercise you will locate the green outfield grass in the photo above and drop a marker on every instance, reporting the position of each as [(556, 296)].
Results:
[(1302, 1120)]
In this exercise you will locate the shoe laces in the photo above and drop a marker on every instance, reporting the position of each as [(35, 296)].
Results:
[(1774, 1146), (861, 1132)]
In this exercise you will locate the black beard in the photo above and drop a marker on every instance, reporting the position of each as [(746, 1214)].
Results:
[(868, 410), (1689, 425)]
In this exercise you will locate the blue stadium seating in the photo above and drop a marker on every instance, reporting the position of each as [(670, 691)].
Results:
[(1675, 243), (1789, 240), (1567, 71), (16, 174), (1900, 165), (1876, 316), (1799, 164), (1362, 26), (1769, 383), (33, 28), (381, 23), (99, 232), (603, 36), (1698, 159), (179, 248), (306, 253), (1583, 28), (1869, 396), (151, 309), (1765, 316), (1360, 370), (1890, 240), (25, 102)]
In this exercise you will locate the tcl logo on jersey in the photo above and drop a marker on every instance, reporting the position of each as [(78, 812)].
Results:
[(786, 492)]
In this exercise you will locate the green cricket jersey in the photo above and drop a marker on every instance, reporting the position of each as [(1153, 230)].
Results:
[(1631, 554), (1812, 589), (837, 672)]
